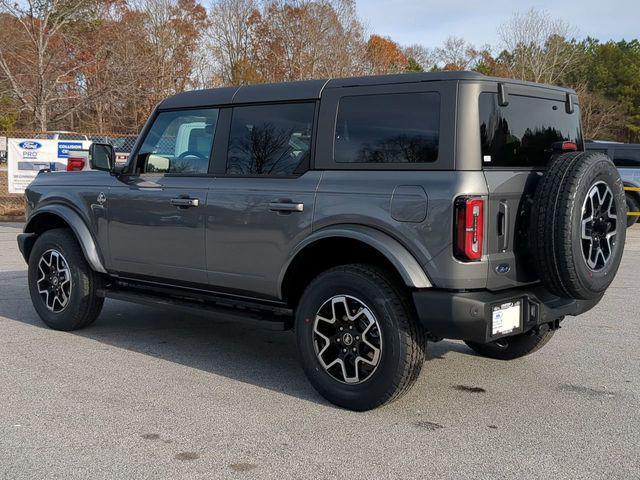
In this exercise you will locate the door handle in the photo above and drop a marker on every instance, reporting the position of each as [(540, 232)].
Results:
[(503, 225), (185, 202), (286, 207)]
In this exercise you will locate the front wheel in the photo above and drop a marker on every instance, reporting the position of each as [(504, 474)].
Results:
[(358, 337), (510, 348), (61, 282)]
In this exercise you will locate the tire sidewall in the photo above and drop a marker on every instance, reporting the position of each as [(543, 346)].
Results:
[(64, 319), (597, 282), (380, 382)]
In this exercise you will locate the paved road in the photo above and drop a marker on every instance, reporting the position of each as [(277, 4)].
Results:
[(145, 393)]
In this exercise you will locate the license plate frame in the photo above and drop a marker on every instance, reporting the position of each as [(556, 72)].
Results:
[(507, 318)]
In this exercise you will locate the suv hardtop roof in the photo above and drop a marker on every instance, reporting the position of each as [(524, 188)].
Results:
[(312, 89)]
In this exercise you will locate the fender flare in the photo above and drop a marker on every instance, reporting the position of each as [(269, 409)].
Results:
[(404, 262), (79, 228)]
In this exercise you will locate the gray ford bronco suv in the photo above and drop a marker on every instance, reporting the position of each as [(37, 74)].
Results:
[(369, 214)]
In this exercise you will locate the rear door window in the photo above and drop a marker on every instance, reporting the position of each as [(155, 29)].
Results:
[(270, 140), (388, 128), (626, 157), (523, 133)]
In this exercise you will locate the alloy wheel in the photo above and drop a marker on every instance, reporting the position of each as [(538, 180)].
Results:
[(347, 339), (54, 280), (599, 226)]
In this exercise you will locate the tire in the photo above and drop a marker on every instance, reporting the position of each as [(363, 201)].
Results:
[(70, 301), (569, 264), (632, 206), (510, 348), (395, 332)]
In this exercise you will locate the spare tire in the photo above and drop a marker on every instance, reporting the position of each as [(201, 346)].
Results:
[(578, 225)]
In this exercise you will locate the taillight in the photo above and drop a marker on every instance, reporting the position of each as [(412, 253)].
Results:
[(75, 164), (569, 147), (469, 220)]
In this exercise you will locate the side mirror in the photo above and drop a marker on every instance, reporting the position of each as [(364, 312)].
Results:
[(102, 156)]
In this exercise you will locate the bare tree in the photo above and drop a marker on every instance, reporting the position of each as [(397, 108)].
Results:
[(34, 54), (539, 46), (600, 116), (457, 54)]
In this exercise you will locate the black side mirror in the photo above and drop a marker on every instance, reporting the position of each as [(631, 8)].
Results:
[(102, 156)]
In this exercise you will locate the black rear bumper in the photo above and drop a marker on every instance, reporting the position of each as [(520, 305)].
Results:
[(468, 315)]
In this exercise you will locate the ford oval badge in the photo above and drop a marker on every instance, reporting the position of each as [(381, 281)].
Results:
[(503, 268), (29, 145)]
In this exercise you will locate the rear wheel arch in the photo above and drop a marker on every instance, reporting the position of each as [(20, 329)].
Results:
[(348, 244), (60, 216)]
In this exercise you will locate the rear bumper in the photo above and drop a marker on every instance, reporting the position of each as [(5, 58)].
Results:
[(468, 315)]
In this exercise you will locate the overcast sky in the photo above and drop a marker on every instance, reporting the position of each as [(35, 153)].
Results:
[(430, 22)]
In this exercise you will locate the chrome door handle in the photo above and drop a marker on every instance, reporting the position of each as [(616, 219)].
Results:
[(286, 207), (185, 202)]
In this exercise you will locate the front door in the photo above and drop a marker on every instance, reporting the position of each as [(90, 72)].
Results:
[(157, 212), (261, 204)]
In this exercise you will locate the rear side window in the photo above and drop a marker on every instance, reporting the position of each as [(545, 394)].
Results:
[(391, 128), (522, 133), (270, 139), (627, 157)]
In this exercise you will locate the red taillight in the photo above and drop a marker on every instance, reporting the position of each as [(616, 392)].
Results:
[(569, 147), (469, 218), (75, 164)]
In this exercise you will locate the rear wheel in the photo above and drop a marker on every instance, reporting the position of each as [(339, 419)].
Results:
[(62, 285), (358, 337), (510, 348)]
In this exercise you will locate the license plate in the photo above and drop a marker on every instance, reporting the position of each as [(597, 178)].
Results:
[(505, 318)]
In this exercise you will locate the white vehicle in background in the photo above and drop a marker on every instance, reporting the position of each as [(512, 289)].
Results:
[(61, 135)]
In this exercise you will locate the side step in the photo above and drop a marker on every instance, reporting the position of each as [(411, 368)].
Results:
[(253, 313)]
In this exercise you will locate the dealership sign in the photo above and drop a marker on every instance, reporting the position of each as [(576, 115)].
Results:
[(26, 157)]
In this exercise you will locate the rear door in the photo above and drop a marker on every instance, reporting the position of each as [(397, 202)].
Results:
[(517, 143), (157, 213), (261, 203)]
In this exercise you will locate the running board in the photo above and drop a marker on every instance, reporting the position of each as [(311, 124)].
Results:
[(262, 316)]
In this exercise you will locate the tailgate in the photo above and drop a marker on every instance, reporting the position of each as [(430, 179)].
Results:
[(510, 197)]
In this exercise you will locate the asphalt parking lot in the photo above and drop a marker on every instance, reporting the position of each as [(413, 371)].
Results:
[(145, 393)]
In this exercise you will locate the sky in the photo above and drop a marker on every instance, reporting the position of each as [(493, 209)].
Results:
[(430, 22)]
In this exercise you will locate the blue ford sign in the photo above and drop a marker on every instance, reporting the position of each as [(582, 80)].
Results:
[(64, 147), (29, 145)]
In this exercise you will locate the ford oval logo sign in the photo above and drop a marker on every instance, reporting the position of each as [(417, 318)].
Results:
[(503, 268), (30, 145)]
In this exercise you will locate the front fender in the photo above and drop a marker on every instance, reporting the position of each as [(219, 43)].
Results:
[(79, 228), (405, 263)]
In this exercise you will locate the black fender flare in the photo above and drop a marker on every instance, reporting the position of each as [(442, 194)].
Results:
[(79, 228), (404, 262)]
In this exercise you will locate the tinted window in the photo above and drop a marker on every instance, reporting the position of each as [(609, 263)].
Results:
[(270, 139), (395, 128), (629, 158), (522, 134), (179, 142)]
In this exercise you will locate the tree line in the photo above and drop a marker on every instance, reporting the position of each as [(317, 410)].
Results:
[(101, 65)]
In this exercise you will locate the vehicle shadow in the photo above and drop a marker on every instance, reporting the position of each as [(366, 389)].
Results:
[(235, 350)]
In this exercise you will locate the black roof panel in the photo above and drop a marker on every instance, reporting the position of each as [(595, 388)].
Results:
[(312, 89)]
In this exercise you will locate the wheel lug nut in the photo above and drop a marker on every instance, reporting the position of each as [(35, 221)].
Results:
[(354, 349), (338, 340), (357, 337), (341, 328), (344, 350)]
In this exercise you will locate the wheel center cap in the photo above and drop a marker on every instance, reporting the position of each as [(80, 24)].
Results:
[(347, 339), (54, 281)]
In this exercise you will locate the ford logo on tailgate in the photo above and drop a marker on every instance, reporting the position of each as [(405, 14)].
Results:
[(503, 268), (29, 145)]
